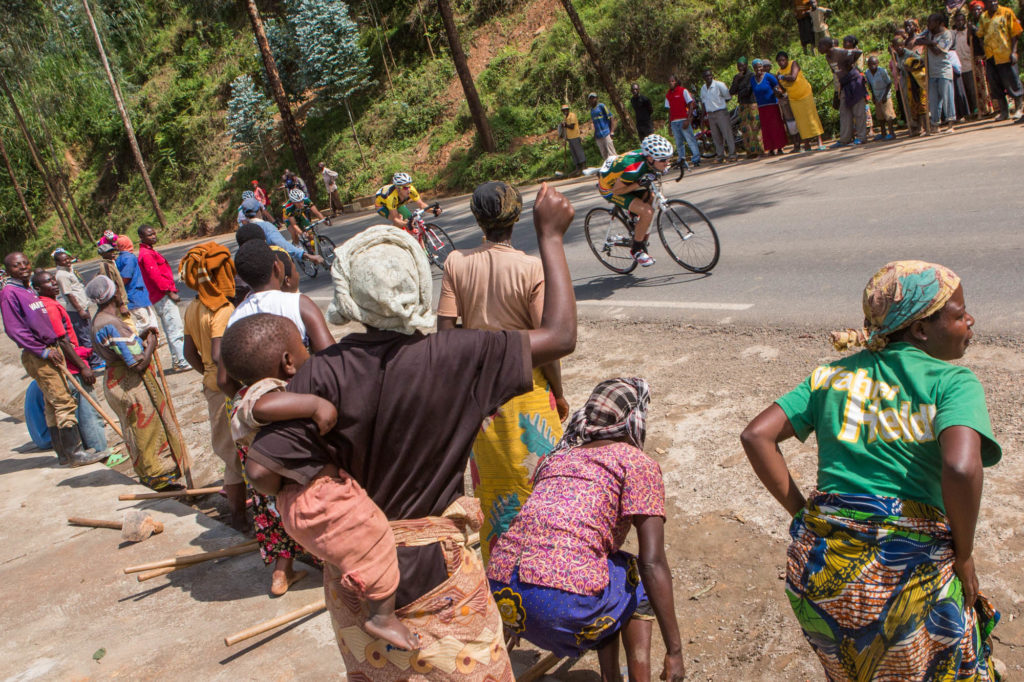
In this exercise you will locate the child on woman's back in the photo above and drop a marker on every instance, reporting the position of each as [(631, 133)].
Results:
[(331, 515)]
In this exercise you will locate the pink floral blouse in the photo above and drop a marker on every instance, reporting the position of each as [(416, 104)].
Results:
[(580, 512)]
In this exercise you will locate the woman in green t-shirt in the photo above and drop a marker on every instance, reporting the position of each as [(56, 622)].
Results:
[(880, 571)]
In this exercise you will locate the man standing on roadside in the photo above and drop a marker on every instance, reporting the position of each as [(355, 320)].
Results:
[(853, 90), (939, 41), (999, 29), (72, 297), (604, 126), (28, 324), (572, 136), (804, 25), (715, 97), (163, 294), (643, 110), (679, 103), (330, 179), (139, 307)]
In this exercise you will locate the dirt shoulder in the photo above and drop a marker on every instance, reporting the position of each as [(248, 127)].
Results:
[(726, 536)]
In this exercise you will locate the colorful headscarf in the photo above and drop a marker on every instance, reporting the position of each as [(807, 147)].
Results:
[(900, 293), (741, 60), (496, 205), (208, 269), (977, 3), (59, 249), (616, 409), (100, 289), (123, 243)]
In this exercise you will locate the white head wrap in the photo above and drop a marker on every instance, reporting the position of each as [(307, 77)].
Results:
[(382, 279)]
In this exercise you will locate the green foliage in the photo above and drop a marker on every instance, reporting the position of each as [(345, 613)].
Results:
[(287, 52), (249, 117), (333, 59)]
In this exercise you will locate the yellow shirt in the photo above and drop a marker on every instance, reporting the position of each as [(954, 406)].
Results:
[(205, 325), (572, 126), (997, 32)]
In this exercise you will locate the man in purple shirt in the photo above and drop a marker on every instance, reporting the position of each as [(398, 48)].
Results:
[(28, 324)]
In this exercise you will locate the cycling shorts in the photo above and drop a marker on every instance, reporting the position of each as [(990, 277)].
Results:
[(623, 200), (402, 211)]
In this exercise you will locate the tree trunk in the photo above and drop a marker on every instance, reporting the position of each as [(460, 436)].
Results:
[(426, 33), (625, 121), (355, 137), (58, 205), (124, 118), (483, 128), (17, 188), (74, 208), (291, 129)]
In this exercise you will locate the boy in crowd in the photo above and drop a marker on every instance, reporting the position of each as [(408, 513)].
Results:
[(881, 90)]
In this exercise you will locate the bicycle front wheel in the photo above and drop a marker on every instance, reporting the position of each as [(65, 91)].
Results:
[(688, 236), (326, 248), (610, 240), (308, 266), (437, 244)]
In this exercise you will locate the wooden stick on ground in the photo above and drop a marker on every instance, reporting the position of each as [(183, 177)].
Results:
[(189, 559), (265, 626), (186, 460), (96, 406), (156, 573), (538, 669), (94, 523), (169, 493)]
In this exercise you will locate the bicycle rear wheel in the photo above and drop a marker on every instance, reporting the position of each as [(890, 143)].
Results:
[(308, 266), (688, 236), (326, 248), (610, 240), (437, 244)]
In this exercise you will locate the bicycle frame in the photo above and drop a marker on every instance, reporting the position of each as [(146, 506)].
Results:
[(418, 228)]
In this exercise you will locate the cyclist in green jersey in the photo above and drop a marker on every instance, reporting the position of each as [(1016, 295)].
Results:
[(391, 200), (297, 211), (621, 181)]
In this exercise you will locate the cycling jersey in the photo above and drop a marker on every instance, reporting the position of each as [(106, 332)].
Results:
[(298, 211), (387, 197), (628, 167)]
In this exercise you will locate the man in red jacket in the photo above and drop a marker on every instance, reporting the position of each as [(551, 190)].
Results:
[(163, 295), (679, 103)]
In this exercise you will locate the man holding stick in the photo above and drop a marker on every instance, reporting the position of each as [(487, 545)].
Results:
[(28, 325)]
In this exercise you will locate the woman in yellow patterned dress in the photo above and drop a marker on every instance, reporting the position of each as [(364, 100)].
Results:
[(497, 287)]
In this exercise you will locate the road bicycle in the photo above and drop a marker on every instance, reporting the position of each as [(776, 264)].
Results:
[(316, 244), (686, 233), (435, 241)]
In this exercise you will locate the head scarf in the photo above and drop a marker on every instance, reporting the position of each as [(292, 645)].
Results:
[(496, 205), (977, 3), (105, 248), (123, 243), (900, 293), (741, 60), (208, 269), (616, 409), (59, 249), (100, 289), (382, 279)]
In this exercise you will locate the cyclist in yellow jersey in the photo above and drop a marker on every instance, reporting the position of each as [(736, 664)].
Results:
[(391, 200), (621, 181)]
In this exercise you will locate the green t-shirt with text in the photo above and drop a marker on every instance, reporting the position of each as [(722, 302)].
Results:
[(878, 416)]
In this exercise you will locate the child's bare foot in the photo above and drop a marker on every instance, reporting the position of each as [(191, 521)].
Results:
[(283, 579), (391, 630)]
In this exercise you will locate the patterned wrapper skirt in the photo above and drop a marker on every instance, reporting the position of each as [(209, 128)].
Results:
[(871, 581), (457, 621), (569, 624), (750, 129), (508, 448)]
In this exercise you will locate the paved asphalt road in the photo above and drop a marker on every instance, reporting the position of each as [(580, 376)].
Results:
[(801, 234)]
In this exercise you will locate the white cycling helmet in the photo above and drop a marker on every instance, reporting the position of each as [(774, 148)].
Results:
[(657, 147), (248, 194), (296, 195), (401, 179)]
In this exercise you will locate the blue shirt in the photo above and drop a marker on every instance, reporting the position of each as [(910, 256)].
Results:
[(128, 265), (764, 92), (602, 121), (275, 238)]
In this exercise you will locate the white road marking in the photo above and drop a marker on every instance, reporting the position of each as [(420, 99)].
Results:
[(682, 305)]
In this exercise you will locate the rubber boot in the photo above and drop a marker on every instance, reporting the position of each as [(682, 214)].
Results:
[(1004, 110), (71, 441), (58, 447)]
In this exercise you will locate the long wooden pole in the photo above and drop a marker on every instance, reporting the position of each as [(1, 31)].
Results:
[(58, 205), (136, 152), (284, 619), (17, 188), (188, 492), (95, 405), (189, 559), (186, 460)]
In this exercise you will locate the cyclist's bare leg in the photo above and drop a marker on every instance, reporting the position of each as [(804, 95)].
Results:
[(293, 227), (644, 215)]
